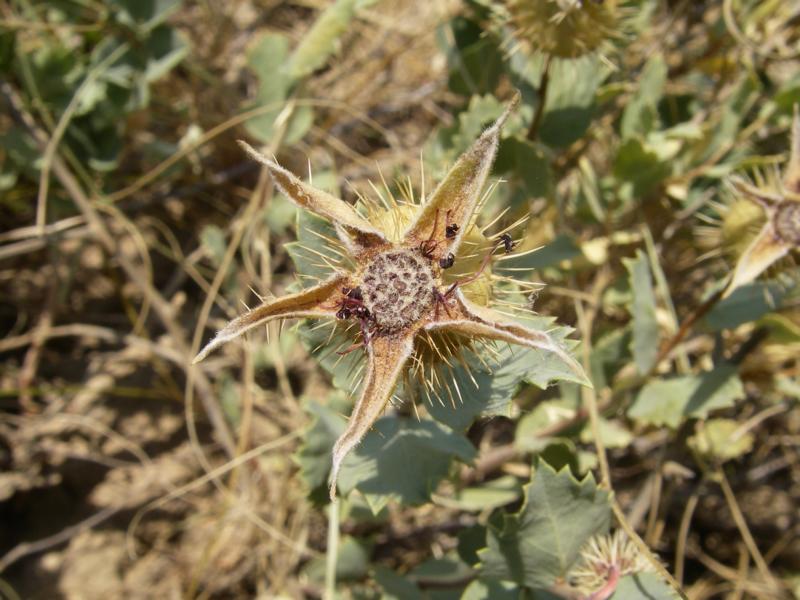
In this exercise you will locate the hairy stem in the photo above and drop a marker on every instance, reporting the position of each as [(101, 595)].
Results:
[(333, 550)]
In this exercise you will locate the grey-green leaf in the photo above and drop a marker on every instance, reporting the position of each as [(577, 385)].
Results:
[(314, 455), (640, 115), (394, 586), (403, 458), (571, 99), (746, 303), (644, 344), (267, 58), (320, 41), (539, 544), (463, 401), (491, 590)]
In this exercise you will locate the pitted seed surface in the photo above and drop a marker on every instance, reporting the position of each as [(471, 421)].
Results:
[(787, 222), (398, 289)]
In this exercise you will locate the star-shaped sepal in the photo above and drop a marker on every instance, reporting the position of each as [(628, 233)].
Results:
[(314, 302), (480, 322), (781, 231), (395, 291)]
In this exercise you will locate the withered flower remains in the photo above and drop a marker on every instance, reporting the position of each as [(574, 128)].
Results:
[(395, 295), (781, 231)]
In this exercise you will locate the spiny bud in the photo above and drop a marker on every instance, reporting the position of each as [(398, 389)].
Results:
[(604, 560), (563, 28)]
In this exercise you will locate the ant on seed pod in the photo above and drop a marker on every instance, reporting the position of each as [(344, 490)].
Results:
[(428, 247), (352, 305), (445, 263)]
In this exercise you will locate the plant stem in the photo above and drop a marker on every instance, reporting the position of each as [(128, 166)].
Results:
[(683, 534), (333, 550), (588, 395), (744, 530), (544, 83), (684, 329), (643, 548)]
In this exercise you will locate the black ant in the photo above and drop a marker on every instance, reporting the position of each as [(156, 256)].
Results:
[(428, 247), (447, 261), (352, 305), (508, 243), (442, 298)]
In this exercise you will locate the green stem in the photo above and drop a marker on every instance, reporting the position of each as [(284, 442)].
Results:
[(701, 311), (333, 550)]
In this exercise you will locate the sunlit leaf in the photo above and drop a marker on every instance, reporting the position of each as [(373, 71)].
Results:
[(144, 15), (267, 57), (352, 561), (571, 99), (320, 41), (166, 48), (491, 590), (670, 401), (722, 439), (562, 248), (640, 166), (644, 344), (492, 494), (612, 432), (641, 114)]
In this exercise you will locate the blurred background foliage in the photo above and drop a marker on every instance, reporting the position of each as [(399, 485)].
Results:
[(133, 225)]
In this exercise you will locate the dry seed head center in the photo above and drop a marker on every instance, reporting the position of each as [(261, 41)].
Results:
[(398, 289)]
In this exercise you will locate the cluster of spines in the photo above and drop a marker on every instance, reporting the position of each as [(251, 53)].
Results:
[(436, 353)]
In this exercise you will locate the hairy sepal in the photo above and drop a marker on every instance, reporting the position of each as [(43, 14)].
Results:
[(765, 249), (354, 231), (317, 301), (454, 200), (480, 322), (386, 357)]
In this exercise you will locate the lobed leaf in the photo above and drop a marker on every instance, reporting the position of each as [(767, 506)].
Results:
[(404, 459), (539, 544), (492, 392)]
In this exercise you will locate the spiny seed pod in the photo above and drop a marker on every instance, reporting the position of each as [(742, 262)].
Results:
[(406, 313), (563, 28), (604, 560)]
